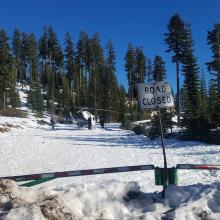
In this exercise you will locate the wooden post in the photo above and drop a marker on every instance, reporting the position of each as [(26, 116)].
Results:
[(165, 180)]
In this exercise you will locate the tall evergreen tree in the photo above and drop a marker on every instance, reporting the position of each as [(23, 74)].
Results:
[(183, 98), (130, 69), (212, 105), (51, 56), (96, 70), (112, 85), (175, 40), (191, 85), (159, 72), (35, 97), (203, 106), (149, 71), (43, 45), (84, 67), (140, 68), (54, 48), (122, 106), (51, 90), (70, 62), (44, 55), (39, 99), (8, 95), (23, 58), (65, 97), (16, 48), (55, 56), (32, 57), (214, 66), (50, 53)]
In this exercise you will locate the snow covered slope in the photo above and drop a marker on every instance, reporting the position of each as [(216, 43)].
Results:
[(34, 148)]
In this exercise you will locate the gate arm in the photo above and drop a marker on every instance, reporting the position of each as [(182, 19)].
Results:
[(79, 172), (198, 166)]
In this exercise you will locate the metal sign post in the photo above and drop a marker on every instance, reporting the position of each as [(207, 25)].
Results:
[(155, 96), (165, 173)]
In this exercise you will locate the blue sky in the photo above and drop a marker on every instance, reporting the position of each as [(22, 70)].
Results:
[(141, 22)]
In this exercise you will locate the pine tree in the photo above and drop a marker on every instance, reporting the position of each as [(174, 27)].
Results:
[(175, 40), (83, 67), (8, 95), (135, 67), (43, 45), (51, 90), (51, 56), (96, 70), (149, 71), (159, 72), (212, 105), (44, 56), (54, 49), (140, 68), (39, 99), (203, 106), (66, 97), (12, 96), (16, 48), (130, 69), (140, 71), (104, 96), (55, 56), (35, 98), (70, 62), (71, 71), (214, 66), (183, 99), (32, 57), (122, 106), (191, 85), (112, 86), (23, 58)]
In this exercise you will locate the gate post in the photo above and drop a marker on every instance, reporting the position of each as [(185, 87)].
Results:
[(159, 176)]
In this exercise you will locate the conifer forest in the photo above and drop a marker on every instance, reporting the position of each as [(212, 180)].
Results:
[(63, 77)]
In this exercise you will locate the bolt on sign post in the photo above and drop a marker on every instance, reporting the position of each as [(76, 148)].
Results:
[(157, 95)]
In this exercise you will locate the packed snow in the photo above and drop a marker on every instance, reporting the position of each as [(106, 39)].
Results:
[(29, 147)]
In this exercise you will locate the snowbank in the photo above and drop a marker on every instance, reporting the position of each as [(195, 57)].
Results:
[(111, 200)]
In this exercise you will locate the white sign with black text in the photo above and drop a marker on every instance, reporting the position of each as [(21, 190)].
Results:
[(155, 95)]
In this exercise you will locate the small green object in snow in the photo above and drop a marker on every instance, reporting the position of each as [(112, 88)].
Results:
[(159, 176), (36, 182)]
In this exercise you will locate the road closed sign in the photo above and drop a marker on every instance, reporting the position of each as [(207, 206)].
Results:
[(155, 95)]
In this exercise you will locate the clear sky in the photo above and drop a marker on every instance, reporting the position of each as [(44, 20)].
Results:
[(141, 22)]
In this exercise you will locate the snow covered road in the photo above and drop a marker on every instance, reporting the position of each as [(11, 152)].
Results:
[(38, 149)]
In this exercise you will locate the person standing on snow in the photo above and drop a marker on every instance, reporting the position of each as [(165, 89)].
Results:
[(52, 121), (90, 123), (102, 121)]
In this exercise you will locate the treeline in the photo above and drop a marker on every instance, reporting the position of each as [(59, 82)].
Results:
[(61, 79), (64, 78), (197, 103)]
